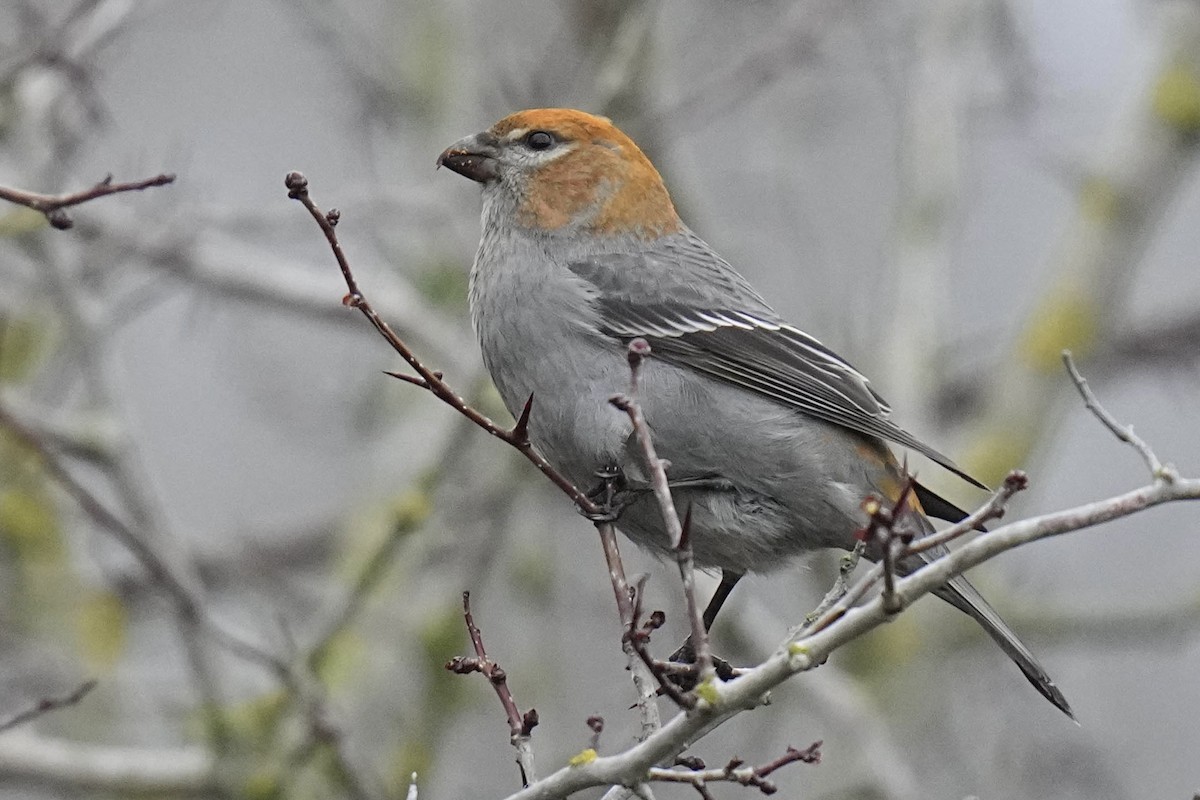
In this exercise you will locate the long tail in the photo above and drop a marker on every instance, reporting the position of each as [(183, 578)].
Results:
[(966, 598)]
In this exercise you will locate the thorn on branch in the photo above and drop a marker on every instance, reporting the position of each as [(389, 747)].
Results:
[(413, 379), (656, 468), (685, 530), (520, 431)]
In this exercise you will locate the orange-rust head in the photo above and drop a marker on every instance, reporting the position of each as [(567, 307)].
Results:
[(563, 169)]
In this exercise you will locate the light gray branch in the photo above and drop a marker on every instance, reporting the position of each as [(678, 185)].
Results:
[(122, 770), (630, 767)]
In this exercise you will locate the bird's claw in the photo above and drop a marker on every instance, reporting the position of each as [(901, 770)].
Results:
[(611, 497), (686, 654)]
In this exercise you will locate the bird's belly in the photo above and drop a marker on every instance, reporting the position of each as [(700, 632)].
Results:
[(570, 373), (766, 484)]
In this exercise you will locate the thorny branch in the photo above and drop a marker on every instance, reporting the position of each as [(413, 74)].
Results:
[(520, 725), (843, 622), (54, 205), (994, 508), (847, 622), (426, 378), (639, 349), (47, 705)]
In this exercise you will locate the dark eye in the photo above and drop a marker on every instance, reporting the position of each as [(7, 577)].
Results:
[(539, 140)]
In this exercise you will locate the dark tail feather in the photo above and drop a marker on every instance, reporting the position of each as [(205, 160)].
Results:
[(965, 597)]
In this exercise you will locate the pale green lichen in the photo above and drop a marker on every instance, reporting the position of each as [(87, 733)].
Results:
[(580, 759), (707, 691)]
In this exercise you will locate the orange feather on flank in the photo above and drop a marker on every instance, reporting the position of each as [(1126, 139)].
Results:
[(604, 180), (894, 480)]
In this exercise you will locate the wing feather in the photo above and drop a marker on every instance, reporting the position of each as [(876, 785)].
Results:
[(697, 312)]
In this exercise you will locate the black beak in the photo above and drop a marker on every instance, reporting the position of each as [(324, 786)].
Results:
[(473, 157)]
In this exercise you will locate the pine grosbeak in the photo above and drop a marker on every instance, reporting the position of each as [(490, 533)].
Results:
[(773, 440)]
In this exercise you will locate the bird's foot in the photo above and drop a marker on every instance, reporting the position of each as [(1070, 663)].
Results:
[(612, 496), (686, 654)]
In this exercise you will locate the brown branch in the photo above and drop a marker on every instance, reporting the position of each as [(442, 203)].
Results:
[(297, 186), (736, 771), (681, 547), (47, 705), (637, 638), (520, 725), (53, 205), (431, 380), (994, 508)]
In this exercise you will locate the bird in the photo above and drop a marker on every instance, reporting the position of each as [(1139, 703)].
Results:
[(773, 440)]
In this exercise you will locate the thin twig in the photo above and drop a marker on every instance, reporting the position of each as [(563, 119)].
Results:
[(53, 205), (297, 186), (994, 508), (1125, 433), (733, 696), (646, 679), (678, 532), (637, 639), (736, 771), (47, 705), (849, 562), (520, 725), (431, 380)]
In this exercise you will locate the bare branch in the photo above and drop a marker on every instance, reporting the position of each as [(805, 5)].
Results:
[(994, 508), (46, 705), (1123, 432), (520, 725), (123, 771), (736, 771), (806, 653), (53, 205), (297, 186), (639, 349)]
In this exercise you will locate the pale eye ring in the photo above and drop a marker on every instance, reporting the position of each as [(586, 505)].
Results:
[(539, 140)]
